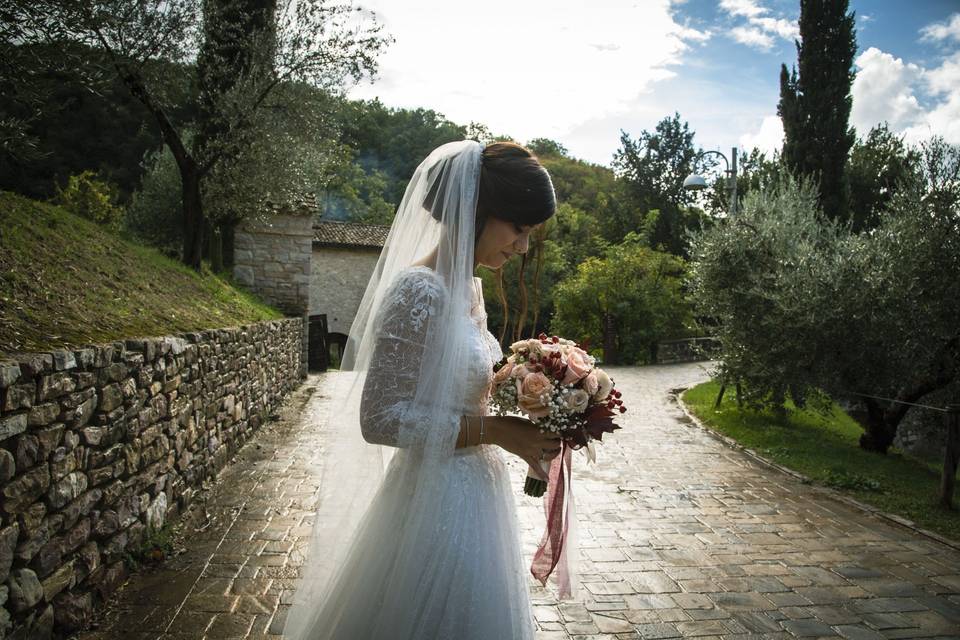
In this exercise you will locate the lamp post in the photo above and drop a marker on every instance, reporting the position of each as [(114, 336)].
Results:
[(696, 182)]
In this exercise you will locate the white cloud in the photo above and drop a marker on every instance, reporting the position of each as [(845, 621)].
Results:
[(944, 118), (752, 37), (526, 69), (768, 139), (783, 28), (760, 29), (947, 30), (916, 102), (884, 91), (746, 8)]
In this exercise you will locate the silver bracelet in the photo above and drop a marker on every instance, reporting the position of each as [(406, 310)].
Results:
[(481, 429)]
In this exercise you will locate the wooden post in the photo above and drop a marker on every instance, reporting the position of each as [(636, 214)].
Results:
[(950, 456)]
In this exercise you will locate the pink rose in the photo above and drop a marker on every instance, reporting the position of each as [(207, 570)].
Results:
[(533, 395), (590, 384), (520, 372), (577, 367), (503, 374)]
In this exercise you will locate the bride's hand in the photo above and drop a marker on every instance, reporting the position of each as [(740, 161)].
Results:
[(523, 438)]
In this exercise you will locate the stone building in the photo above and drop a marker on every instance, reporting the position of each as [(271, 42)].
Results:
[(344, 256), (309, 267)]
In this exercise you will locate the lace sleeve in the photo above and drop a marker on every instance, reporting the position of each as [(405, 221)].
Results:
[(388, 415)]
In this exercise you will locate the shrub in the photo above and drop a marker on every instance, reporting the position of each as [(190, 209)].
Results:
[(89, 197)]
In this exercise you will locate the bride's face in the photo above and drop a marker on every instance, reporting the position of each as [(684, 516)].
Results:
[(501, 240)]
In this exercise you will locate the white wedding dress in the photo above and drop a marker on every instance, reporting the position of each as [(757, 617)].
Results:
[(461, 577)]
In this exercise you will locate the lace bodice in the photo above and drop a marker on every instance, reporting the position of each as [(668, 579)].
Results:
[(388, 415)]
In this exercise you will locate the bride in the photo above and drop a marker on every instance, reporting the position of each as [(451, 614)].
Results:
[(418, 538)]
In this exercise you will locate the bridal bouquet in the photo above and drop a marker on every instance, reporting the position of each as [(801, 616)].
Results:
[(554, 382)]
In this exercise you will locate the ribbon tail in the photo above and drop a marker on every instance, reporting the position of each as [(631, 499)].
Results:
[(551, 553)]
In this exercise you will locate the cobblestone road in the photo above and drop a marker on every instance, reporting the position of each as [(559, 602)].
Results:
[(681, 536)]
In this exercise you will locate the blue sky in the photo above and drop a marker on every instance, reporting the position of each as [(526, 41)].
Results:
[(579, 72)]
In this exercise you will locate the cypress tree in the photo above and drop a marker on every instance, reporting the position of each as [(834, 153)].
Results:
[(815, 101)]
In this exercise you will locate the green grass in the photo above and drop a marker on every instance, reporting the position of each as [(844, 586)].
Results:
[(826, 450), (66, 282)]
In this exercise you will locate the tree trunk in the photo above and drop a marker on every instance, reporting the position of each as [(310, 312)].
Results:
[(880, 432), (610, 355), (189, 171), (193, 221)]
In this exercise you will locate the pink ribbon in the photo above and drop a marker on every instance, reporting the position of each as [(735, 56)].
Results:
[(551, 554)]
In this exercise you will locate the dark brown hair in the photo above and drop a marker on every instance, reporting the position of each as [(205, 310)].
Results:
[(516, 188)]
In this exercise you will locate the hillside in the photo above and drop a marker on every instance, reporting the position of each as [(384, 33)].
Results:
[(65, 282)]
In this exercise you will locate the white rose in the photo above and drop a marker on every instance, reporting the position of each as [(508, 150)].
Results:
[(577, 400), (606, 384)]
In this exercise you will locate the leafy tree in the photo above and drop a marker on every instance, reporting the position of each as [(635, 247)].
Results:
[(815, 101), (879, 164), (383, 146), (544, 147), (314, 41), (651, 171), (76, 123), (809, 310), (624, 302)]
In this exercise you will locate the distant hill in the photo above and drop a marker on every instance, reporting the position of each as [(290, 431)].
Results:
[(65, 282)]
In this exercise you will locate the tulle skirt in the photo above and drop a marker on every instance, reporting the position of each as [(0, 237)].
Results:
[(458, 574)]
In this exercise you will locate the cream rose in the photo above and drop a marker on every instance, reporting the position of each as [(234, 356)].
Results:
[(606, 384), (577, 400), (531, 392)]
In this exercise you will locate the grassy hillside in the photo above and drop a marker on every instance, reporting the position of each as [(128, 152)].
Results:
[(65, 282)]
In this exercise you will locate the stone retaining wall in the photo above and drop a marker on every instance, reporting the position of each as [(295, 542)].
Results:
[(101, 443)]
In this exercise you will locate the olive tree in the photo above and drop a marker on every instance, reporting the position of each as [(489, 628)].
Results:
[(252, 56), (808, 309)]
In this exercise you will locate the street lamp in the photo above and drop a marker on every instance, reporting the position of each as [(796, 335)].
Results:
[(696, 182)]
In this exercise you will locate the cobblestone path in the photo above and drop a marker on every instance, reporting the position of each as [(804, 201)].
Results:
[(681, 536)]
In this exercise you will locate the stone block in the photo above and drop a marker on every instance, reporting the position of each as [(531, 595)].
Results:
[(49, 438), (146, 346), (63, 359), (34, 364), (25, 489), (111, 397), (25, 590), (84, 357), (20, 396), (9, 373), (8, 466), (62, 578), (67, 489), (55, 385), (8, 544), (43, 414), (12, 425)]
